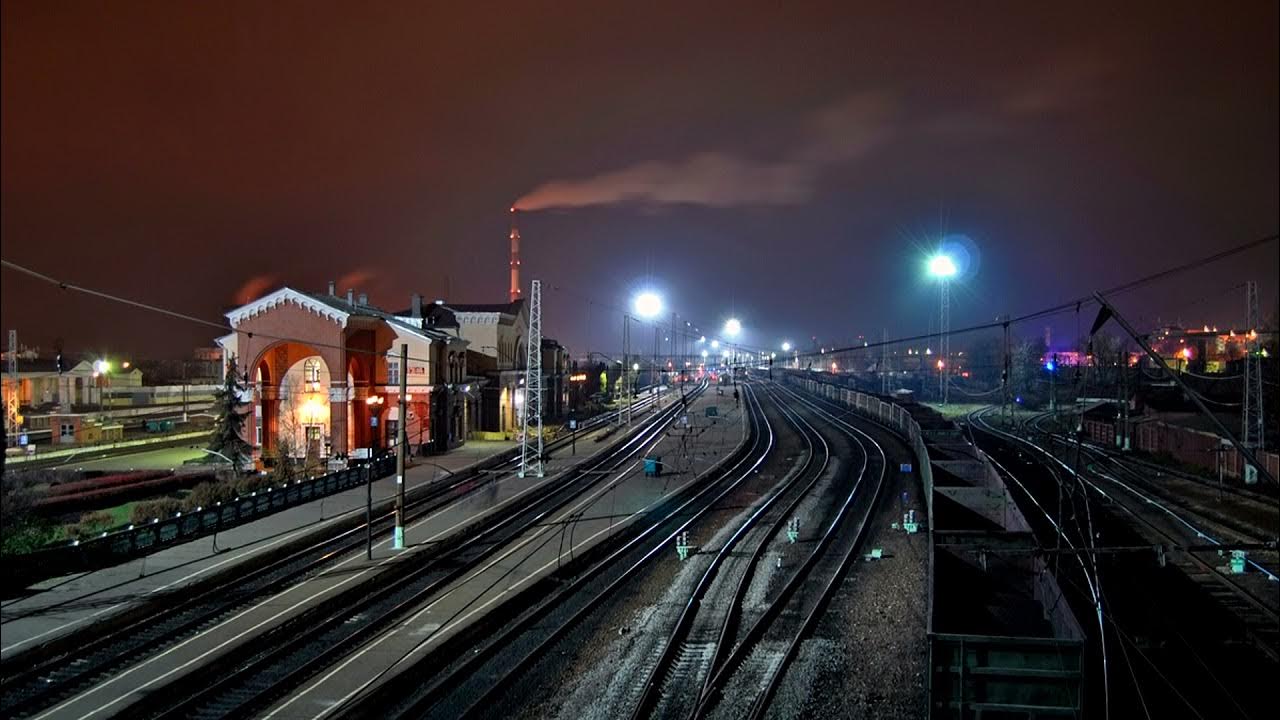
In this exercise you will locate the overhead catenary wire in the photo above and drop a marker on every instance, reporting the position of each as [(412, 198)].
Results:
[(224, 327), (1068, 306)]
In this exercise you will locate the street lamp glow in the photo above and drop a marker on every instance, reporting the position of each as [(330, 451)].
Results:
[(786, 347), (732, 327), (648, 304), (942, 266), (102, 367), (635, 366), (715, 344), (704, 354)]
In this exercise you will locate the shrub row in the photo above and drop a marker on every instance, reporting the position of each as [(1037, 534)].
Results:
[(92, 499), (104, 482), (201, 496)]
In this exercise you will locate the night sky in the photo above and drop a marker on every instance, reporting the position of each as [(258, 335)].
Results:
[(790, 167)]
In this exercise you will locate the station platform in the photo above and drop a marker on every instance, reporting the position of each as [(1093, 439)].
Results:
[(63, 604)]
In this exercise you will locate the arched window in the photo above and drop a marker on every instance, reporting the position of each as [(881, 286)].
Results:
[(311, 370)]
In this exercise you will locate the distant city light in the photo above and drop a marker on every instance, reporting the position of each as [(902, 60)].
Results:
[(1050, 366), (786, 347)]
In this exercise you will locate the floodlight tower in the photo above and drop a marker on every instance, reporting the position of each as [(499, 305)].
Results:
[(943, 268)]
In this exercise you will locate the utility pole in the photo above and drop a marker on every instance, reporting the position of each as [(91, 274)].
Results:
[(625, 378), (1006, 409), (531, 450), (884, 362), (14, 401), (653, 373), (944, 330), (1109, 311), (402, 437)]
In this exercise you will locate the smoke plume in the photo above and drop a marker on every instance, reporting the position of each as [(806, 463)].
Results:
[(253, 288), (838, 135)]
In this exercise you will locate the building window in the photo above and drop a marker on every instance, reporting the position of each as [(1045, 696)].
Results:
[(311, 370), (393, 372)]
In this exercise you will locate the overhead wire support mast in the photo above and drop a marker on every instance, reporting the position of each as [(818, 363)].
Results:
[(530, 449), (1108, 311), (1251, 435)]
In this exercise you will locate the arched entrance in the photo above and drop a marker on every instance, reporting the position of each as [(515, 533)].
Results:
[(300, 409)]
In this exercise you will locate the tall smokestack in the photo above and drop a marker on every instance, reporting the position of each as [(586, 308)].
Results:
[(515, 258)]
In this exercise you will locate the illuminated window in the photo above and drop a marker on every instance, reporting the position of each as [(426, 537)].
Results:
[(311, 370)]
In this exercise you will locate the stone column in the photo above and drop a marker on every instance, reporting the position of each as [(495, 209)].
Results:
[(269, 399), (338, 406)]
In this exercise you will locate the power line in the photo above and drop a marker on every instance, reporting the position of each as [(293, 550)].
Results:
[(224, 327), (1070, 305)]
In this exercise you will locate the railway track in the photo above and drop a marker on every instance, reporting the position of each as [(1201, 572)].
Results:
[(707, 627), (1175, 526), (253, 674), (466, 675), (759, 661), (62, 668)]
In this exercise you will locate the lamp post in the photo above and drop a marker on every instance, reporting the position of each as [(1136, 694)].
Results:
[(732, 329), (648, 305), (373, 401), (943, 268)]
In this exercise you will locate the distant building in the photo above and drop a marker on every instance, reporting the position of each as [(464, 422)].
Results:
[(496, 336), (1205, 350)]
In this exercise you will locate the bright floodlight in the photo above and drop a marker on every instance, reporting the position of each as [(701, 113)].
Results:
[(732, 327), (102, 366), (648, 304), (942, 266), (786, 347)]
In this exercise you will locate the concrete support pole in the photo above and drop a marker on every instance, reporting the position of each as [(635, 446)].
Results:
[(401, 442)]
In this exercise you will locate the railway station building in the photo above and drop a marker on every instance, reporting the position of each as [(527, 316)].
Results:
[(323, 372)]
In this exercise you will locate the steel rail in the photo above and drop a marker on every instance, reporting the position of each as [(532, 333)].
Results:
[(752, 638), (479, 650), (254, 672), (656, 686), (60, 669), (1271, 619)]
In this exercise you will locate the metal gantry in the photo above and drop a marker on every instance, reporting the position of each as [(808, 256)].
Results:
[(1251, 433), (531, 438)]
